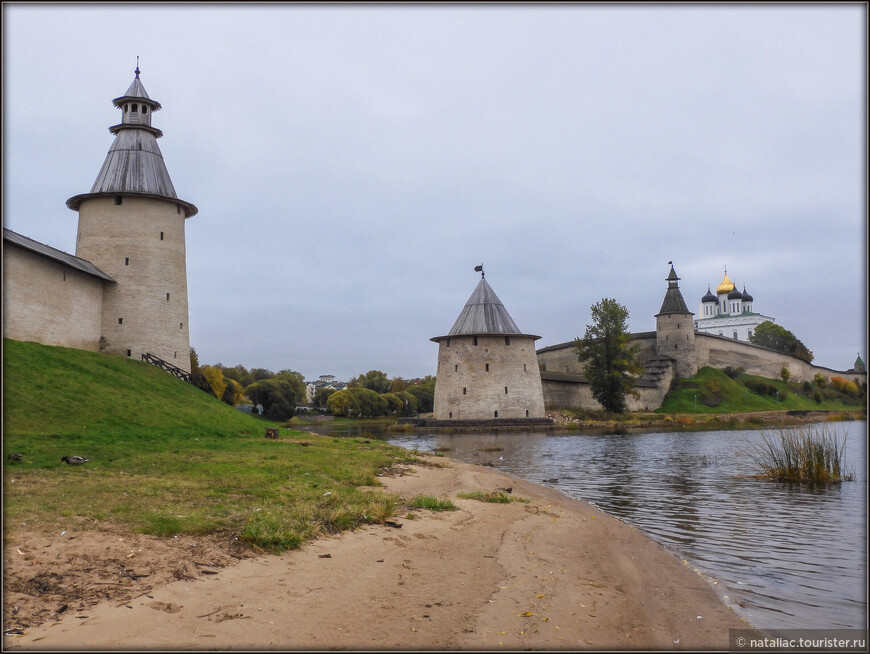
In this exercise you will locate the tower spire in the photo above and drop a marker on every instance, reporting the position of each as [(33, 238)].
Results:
[(137, 67)]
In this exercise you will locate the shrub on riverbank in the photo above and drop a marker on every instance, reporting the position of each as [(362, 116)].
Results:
[(809, 454)]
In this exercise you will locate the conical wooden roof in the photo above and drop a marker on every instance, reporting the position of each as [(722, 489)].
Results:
[(484, 314)]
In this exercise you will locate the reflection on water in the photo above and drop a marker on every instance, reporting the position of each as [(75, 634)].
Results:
[(788, 557)]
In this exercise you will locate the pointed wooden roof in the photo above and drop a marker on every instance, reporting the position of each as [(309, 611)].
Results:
[(484, 314), (134, 164)]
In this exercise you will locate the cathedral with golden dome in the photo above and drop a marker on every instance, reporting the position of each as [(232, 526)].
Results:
[(728, 313)]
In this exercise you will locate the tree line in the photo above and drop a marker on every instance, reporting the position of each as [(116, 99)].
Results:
[(279, 393)]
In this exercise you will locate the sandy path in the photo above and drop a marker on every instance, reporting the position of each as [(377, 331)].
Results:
[(454, 580)]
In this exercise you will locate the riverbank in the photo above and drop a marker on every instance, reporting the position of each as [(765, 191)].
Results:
[(550, 573), (598, 422)]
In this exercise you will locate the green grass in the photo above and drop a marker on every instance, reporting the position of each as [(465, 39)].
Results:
[(166, 459), (810, 455), (432, 503), (712, 391), (498, 497)]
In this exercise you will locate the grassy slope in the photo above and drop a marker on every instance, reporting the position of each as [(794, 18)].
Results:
[(165, 458), (736, 397)]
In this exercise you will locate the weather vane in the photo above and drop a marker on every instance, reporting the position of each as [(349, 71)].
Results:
[(137, 66), (480, 270)]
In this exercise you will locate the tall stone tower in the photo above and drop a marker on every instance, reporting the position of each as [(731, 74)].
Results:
[(487, 368), (131, 225), (675, 332)]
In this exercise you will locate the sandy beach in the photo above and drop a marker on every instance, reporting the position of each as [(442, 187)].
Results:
[(553, 573)]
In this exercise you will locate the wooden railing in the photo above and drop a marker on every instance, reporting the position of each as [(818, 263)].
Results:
[(197, 380)]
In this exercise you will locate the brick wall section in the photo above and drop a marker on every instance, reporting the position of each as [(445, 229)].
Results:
[(462, 365), (47, 302), (124, 241)]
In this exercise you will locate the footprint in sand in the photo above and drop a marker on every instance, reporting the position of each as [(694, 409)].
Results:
[(165, 606)]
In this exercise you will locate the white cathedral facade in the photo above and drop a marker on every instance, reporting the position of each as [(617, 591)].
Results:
[(728, 313)]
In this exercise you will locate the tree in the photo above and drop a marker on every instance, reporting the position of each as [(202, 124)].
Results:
[(215, 379), (785, 374), (774, 337), (610, 358), (261, 373), (409, 402), (194, 362), (374, 380), (276, 396), (394, 404), (239, 373), (424, 393), (321, 396), (233, 392), (297, 381)]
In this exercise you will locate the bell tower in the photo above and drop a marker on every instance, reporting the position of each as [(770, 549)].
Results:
[(131, 225)]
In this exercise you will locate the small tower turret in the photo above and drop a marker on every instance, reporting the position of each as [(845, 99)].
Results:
[(675, 334), (131, 225)]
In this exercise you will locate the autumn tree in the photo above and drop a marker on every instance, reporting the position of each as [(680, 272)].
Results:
[(610, 358), (215, 378)]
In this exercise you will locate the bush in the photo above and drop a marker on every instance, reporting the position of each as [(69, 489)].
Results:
[(733, 372), (762, 387), (784, 374), (807, 387), (712, 394), (819, 380)]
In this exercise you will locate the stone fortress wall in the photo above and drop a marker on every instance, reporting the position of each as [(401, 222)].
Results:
[(565, 386), (47, 302)]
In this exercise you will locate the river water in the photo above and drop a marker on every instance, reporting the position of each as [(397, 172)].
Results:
[(782, 556)]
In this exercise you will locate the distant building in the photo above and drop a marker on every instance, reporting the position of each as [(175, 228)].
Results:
[(729, 313), (487, 368)]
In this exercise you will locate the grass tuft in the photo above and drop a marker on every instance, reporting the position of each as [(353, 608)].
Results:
[(432, 503), (811, 454), (499, 497)]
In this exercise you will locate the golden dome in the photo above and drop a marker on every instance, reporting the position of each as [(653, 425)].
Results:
[(725, 286)]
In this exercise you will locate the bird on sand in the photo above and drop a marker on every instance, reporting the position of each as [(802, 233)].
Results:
[(74, 460)]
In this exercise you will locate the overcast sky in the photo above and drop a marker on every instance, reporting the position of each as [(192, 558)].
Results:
[(352, 164)]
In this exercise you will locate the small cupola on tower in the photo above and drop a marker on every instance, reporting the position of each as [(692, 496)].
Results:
[(136, 107)]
